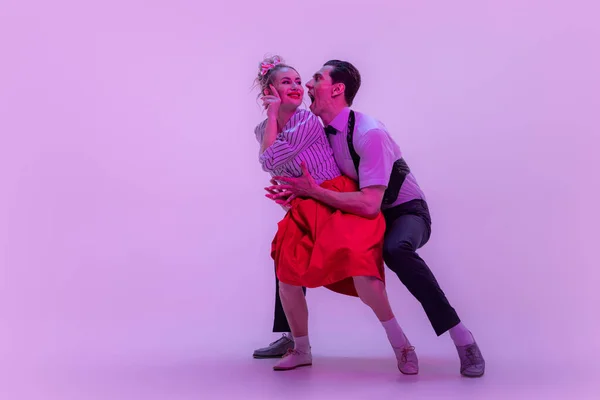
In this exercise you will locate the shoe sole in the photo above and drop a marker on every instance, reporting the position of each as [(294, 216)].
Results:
[(290, 368), (265, 357), (408, 373), (473, 376)]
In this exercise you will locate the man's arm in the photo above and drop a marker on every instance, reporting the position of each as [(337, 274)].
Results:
[(377, 159), (365, 203)]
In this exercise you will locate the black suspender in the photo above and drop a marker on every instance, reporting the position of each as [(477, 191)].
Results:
[(349, 137), (399, 171)]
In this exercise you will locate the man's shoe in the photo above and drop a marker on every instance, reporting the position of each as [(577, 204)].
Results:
[(472, 364), (276, 349)]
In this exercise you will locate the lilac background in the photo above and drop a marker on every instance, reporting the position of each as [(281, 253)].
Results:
[(133, 222)]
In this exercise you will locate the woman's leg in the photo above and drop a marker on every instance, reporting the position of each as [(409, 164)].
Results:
[(295, 307), (296, 311), (372, 292)]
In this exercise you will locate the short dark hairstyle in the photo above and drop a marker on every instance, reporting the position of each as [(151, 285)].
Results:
[(346, 73)]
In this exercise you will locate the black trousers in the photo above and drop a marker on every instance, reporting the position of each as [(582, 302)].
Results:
[(408, 229)]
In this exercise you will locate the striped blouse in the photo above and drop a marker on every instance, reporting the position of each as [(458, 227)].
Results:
[(302, 139)]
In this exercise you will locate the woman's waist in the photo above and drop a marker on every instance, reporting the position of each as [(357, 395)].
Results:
[(340, 183), (323, 175)]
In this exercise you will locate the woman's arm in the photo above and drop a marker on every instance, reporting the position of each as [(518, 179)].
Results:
[(271, 102), (287, 146), (270, 134)]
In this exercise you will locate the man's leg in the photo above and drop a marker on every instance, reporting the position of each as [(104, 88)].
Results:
[(279, 347), (404, 235)]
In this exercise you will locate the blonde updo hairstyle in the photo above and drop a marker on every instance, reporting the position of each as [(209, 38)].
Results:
[(267, 70)]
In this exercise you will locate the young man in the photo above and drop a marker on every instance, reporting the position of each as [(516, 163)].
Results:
[(364, 151)]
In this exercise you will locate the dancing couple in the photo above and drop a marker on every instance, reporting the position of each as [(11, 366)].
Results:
[(352, 204)]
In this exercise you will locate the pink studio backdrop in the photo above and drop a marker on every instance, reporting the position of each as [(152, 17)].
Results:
[(132, 212)]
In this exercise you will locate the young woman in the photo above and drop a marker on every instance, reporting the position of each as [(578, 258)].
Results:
[(316, 245)]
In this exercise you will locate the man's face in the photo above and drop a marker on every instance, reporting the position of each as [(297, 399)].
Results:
[(320, 91)]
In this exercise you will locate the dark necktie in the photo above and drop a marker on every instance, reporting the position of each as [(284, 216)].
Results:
[(330, 130)]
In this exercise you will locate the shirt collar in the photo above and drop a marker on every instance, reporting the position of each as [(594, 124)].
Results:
[(341, 120)]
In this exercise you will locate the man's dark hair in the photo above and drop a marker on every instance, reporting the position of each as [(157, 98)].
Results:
[(346, 73)]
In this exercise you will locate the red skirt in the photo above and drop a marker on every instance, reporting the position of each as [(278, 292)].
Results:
[(317, 245)]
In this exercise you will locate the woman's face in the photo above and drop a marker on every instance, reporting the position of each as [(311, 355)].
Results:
[(288, 84)]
